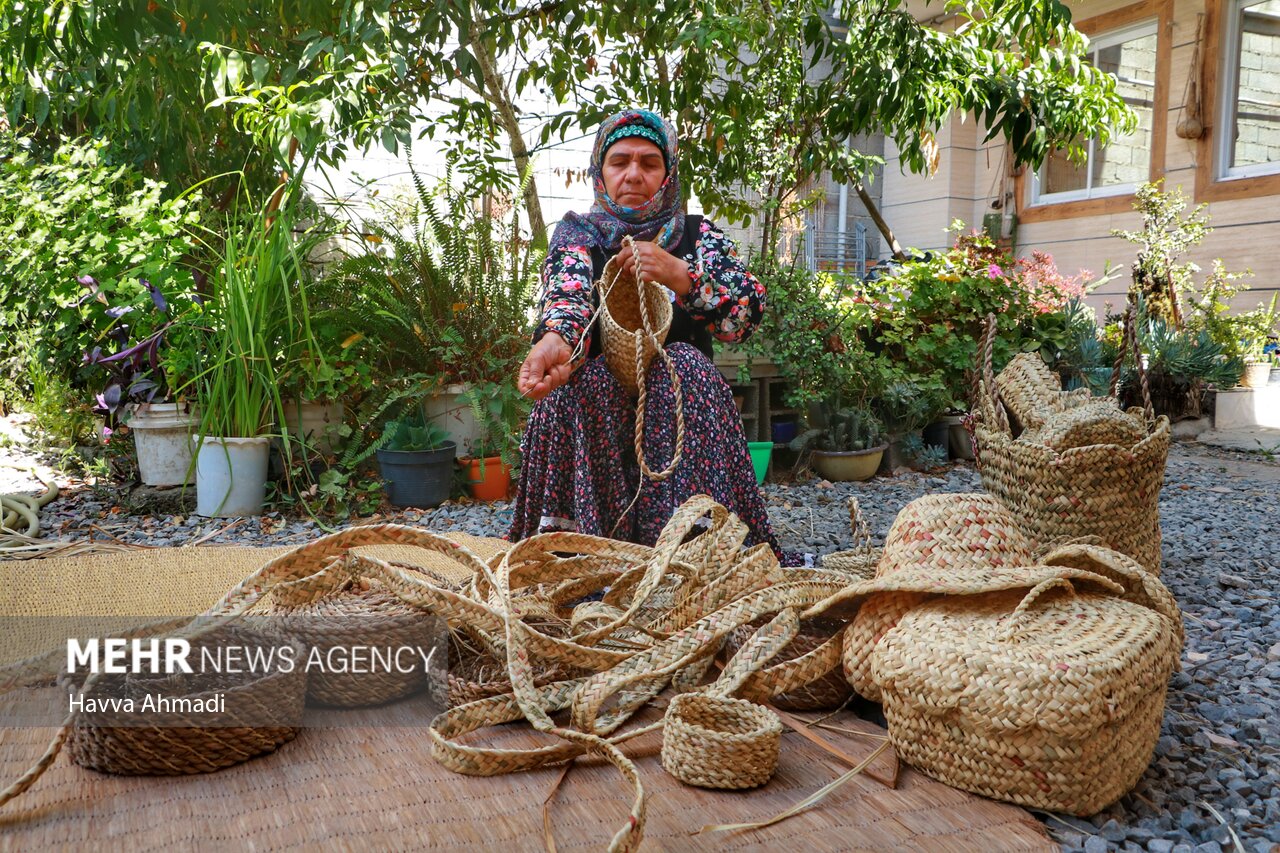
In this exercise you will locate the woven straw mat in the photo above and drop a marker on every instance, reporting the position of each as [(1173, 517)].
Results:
[(126, 588)]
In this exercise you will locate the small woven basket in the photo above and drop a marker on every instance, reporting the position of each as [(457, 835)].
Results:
[(360, 616), (262, 711), (1029, 390), (720, 742), (622, 323), (1047, 700)]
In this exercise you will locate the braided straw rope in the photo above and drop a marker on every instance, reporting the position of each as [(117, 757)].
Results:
[(1109, 491), (643, 355)]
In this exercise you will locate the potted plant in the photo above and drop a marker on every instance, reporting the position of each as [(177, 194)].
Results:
[(500, 412), (416, 458), (849, 447), (137, 391), (904, 406), (1256, 327), (255, 323)]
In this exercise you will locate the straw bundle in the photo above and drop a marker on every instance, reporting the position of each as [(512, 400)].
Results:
[(1058, 493)]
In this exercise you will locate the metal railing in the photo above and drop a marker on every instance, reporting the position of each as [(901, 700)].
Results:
[(829, 249)]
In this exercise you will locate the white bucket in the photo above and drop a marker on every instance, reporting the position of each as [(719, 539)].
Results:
[(162, 437), (231, 476)]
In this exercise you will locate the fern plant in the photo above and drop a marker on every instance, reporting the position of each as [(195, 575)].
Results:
[(445, 291)]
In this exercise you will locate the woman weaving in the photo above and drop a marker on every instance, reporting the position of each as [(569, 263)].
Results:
[(580, 469)]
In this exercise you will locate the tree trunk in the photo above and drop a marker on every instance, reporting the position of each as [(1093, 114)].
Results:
[(874, 213), (496, 94)]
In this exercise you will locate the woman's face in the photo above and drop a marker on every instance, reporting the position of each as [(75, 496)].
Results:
[(633, 171)]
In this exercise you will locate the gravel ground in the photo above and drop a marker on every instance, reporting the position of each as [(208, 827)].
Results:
[(1214, 782)]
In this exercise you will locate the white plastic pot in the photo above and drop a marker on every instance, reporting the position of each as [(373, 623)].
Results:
[(162, 437), (231, 476)]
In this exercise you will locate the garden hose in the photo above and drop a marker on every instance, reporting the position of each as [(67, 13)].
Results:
[(20, 514)]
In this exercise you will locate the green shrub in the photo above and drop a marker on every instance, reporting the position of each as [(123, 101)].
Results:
[(68, 214), (929, 315)]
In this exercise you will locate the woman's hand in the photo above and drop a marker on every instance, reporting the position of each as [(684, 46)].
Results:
[(545, 368), (658, 264)]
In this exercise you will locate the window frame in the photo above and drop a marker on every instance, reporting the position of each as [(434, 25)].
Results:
[(1132, 17), (1228, 102), (1111, 38), (1210, 187)]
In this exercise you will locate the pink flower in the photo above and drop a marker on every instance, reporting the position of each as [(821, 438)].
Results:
[(994, 271)]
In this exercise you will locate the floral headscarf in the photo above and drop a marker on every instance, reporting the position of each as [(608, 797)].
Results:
[(608, 222)]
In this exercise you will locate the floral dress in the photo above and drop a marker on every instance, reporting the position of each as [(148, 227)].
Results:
[(580, 470)]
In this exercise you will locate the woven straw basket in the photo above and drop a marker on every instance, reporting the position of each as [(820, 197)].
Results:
[(1050, 698), (937, 534), (719, 742), (622, 323), (359, 617), (262, 712), (1109, 491)]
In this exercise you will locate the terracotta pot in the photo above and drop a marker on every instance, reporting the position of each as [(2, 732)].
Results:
[(843, 466), (494, 484)]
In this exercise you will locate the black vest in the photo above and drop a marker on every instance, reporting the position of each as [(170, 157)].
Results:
[(683, 328)]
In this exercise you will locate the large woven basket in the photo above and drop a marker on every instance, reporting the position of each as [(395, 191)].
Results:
[(720, 742), (1107, 491), (261, 711), (622, 323), (1045, 699), (368, 618)]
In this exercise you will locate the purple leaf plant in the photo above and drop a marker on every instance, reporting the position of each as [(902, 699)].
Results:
[(134, 372)]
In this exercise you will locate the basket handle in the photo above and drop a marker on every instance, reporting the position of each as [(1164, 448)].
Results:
[(1007, 633), (991, 401), (858, 524), (646, 330), (1127, 346)]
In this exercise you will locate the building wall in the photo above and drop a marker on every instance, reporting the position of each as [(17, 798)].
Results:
[(971, 176)]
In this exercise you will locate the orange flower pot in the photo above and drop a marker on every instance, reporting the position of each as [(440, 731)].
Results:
[(495, 485)]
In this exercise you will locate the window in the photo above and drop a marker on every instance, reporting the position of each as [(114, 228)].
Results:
[(1117, 168), (1249, 97)]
